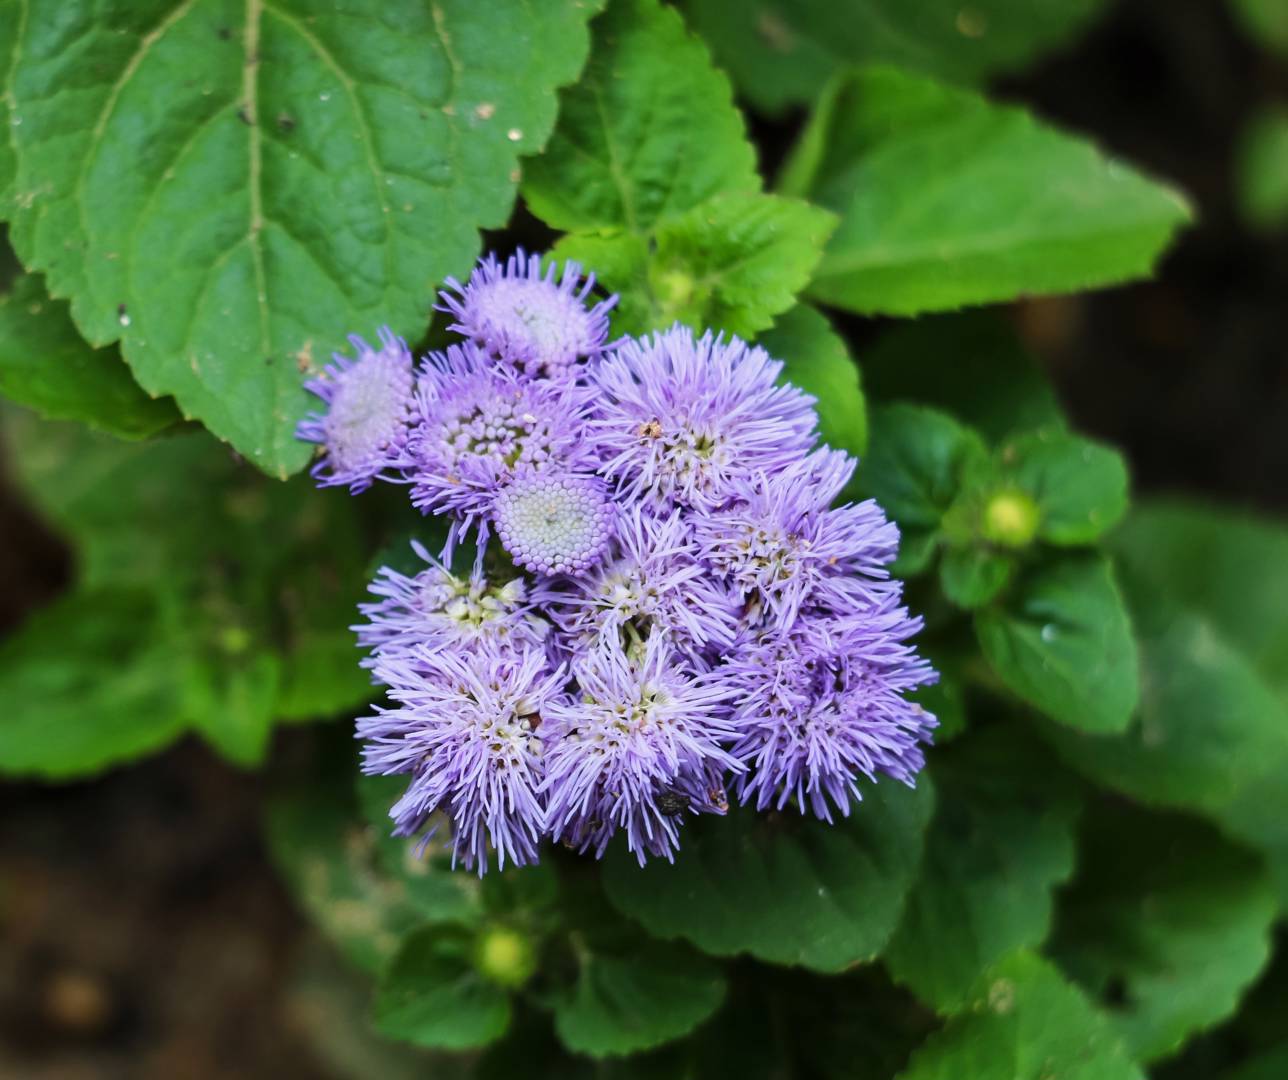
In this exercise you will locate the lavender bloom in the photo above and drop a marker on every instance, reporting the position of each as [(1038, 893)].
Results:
[(684, 421), (653, 581), (822, 704), (782, 547), (683, 606), (553, 522), (636, 749), (364, 429), (465, 728), (477, 423), (529, 319), (434, 608)]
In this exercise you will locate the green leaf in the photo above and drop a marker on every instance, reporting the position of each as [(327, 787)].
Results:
[(636, 1000), (649, 132), (620, 261), (314, 172), (11, 15), (816, 359), (1261, 169), (45, 365), (231, 699), (1001, 840), (947, 200), (969, 364), (1266, 20), (785, 888), (328, 858), (1169, 918), (780, 52), (916, 462), (320, 674), (736, 261), (433, 996), (1062, 641), (1022, 1021), (1080, 486), (733, 262), (1229, 567), (240, 620), (1212, 735), (651, 171), (972, 576), (86, 684)]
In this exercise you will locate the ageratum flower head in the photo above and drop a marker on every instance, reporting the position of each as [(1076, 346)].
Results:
[(551, 521), (527, 318), (684, 422), (464, 728), (666, 602), (781, 545), (822, 704), (640, 744), (435, 608), (363, 432), (477, 423), (653, 581)]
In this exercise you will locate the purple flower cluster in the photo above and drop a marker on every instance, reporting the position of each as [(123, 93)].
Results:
[(663, 605)]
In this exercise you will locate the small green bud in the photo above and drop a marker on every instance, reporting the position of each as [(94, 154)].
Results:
[(505, 956), (674, 289), (234, 640), (1011, 519)]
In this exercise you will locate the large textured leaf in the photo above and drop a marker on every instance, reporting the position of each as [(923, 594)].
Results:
[(817, 360), (781, 52), (46, 365), (1169, 918), (631, 1001), (235, 186), (1061, 639), (86, 683), (1022, 1021), (649, 133), (788, 889), (1000, 841), (947, 199)]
